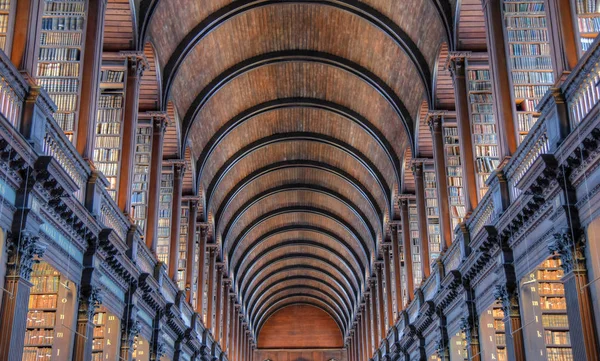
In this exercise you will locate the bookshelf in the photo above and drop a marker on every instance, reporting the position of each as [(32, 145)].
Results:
[(493, 334), (141, 174), (109, 123), (415, 243), (60, 55), (183, 238), (543, 290), (106, 336), (483, 124), (456, 199), (588, 22), (458, 347), (6, 22), (433, 212), (50, 314), (529, 58), (141, 349), (164, 214)]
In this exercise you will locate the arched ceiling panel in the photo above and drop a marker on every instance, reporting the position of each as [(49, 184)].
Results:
[(149, 96), (119, 26)]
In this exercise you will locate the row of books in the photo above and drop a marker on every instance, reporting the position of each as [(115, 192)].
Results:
[(486, 164), (112, 76), (5, 5), (453, 161), (59, 54), (531, 63), (58, 69), (587, 6), (140, 183), (66, 121), (142, 158), (550, 275), (530, 77), (107, 142), (105, 129), (478, 75), (553, 303), (486, 151), (458, 209), (109, 115), (485, 130), (486, 117), (145, 148), (559, 354), (60, 39), (139, 212), (511, 6), (586, 43), (63, 6), (39, 337), (480, 86), (555, 321), (529, 49), (47, 284), (110, 101), (551, 288), (454, 170), (37, 354), (106, 168), (4, 23), (527, 35), (455, 182), (589, 25), (526, 21), (41, 319), (65, 102), (526, 121), (452, 150), (481, 98), (531, 91), (66, 23), (485, 139), (43, 301), (557, 337), (59, 85), (528, 105), (482, 108), (138, 197)]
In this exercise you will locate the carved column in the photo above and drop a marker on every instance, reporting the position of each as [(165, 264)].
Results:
[(232, 327), (417, 169), (369, 323), (434, 121), (380, 302), (212, 260), (364, 331), (397, 267), (225, 336), (158, 133), (191, 265), (443, 344), (156, 344), (21, 254), (509, 298), (388, 283), (130, 327), (500, 75), (359, 338), (374, 312), (408, 266), (470, 324), (178, 171), (90, 76), (219, 302), (203, 227), (136, 64), (89, 300), (570, 246)]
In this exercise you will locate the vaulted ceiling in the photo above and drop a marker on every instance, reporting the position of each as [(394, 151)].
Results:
[(299, 117)]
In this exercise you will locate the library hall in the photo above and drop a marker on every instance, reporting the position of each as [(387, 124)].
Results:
[(299, 180)]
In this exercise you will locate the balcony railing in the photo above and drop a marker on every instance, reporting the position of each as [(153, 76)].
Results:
[(581, 90), (13, 90)]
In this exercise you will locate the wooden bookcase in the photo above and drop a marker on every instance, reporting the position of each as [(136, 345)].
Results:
[(141, 174), (529, 58), (183, 237), (587, 14), (415, 243), (7, 20), (109, 123), (60, 56), (49, 332), (432, 210), (483, 123), (141, 349), (493, 335), (456, 198), (105, 345), (164, 214)]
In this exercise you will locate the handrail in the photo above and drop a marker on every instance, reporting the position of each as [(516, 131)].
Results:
[(13, 90), (581, 88)]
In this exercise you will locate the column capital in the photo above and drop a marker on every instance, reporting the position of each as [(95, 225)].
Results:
[(456, 62), (137, 62), (204, 227), (571, 251), (417, 168), (90, 299), (509, 299), (22, 250), (434, 119)]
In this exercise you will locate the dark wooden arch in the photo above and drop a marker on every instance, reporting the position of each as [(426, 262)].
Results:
[(316, 103), (306, 243), (348, 301), (250, 249), (292, 303), (244, 152), (292, 188), (309, 164), (307, 267), (339, 301), (294, 209)]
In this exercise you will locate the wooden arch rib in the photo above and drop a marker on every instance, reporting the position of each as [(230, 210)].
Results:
[(299, 300), (242, 211), (267, 280), (354, 234), (308, 56), (301, 260), (360, 9), (319, 276), (287, 103), (311, 282), (257, 316)]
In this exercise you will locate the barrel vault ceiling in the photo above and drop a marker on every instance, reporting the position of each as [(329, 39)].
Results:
[(298, 117)]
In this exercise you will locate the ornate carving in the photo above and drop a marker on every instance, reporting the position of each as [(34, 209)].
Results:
[(131, 333), (160, 349), (89, 300), (22, 252), (456, 63), (509, 299), (571, 253), (160, 122), (434, 120)]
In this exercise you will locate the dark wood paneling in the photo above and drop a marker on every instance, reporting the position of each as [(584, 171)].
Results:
[(300, 326), (150, 82), (299, 355), (118, 26), (471, 26)]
